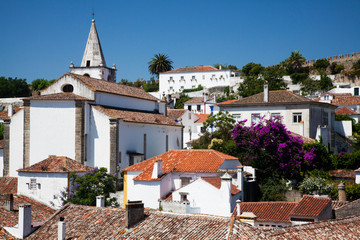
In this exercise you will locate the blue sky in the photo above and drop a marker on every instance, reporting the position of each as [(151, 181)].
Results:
[(39, 39)]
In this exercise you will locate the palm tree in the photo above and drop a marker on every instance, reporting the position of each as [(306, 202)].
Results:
[(160, 63), (294, 62)]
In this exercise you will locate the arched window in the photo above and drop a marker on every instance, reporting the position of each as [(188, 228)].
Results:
[(86, 75), (68, 88)]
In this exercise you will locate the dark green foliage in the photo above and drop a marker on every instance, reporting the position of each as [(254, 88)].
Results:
[(321, 64), (1, 131), (352, 192), (325, 83), (316, 173), (273, 77), (86, 186), (343, 117), (247, 70), (180, 102), (336, 68), (293, 64), (13, 87), (310, 86), (225, 66), (348, 161), (298, 77), (250, 86), (199, 88), (322, 160), (160, 63), (222, 123), (273, 189), (40, 84), (149, 86), (228, 147)]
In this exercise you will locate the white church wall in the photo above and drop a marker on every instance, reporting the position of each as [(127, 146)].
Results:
[(1, 162), (16, 144), (52, 126), (124, 102), (79, 88), (98, 140), (47, 185), (131, 139)]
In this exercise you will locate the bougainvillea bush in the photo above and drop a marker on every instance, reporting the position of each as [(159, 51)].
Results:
[(272, 150), (84, 187)]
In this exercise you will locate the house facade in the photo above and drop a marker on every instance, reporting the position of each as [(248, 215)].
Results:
[(187, 177), (191, 77), (300, 115), (200, 105)]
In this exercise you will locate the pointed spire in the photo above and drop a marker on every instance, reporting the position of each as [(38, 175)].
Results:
[(93, 55)]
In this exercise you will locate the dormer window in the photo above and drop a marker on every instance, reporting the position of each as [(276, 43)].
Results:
[(68, 88), (88, 63)]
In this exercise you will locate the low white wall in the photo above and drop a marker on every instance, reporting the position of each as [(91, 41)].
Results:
[(344, 128), (1, 162), (16, 143)]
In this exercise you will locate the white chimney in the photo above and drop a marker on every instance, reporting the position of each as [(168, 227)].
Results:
[(9, 202), (220, 67), (61, 229), (266, 93), (205, 97), (24, 220), (10, 110), (302, 128), (157, 170), (240, 180), (238, 208), (226, 184), (100, 201)]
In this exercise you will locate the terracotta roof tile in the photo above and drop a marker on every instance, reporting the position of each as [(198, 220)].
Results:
[(4, 235), (346, 100), (175, 114), (304, 139), (193, 69), (335, 204), (136, 116), (310, 206), (113, 88), (216, 182), (202, 117), (65, 96), (39, 212), (56, 164), (269, 211), (196, 100), (346, 111), (227, 102), (4, 114), (181, 160), (8, 185), (340, 173)]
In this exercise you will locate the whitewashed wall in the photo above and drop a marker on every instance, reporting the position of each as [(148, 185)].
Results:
[(357, 177), (52, 129), (188, 121), (94, 72), (79, 88), (204, 78), (131, 139), (272, 224), (16, 143), (176, 177), (1, 162), (344, 128), (50, 184)]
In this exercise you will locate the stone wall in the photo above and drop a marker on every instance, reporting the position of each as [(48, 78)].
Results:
[(350, 209)]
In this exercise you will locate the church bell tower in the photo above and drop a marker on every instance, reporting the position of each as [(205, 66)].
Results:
[(93, 62)]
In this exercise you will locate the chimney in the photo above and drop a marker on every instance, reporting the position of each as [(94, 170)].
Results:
[(341, 192), (61, 229), (24, 220), (226, 182), (302, 128), (100, 201), (157, 170), (266, 93), (240, 178), (9, 202), (220, 67), (205, 97), (134, 213), (10, 110), (238, 207)]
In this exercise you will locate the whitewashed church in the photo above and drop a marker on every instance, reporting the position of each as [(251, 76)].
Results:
[(84, 115)]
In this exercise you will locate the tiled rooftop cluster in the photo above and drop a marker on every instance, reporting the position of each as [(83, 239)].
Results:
[(175, 114), (346, 111), (8, 185), (202, 117)]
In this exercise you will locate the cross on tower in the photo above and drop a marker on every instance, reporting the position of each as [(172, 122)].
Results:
[(93, 14)]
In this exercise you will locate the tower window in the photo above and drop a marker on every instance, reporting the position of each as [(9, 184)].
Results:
[(68, 88), (88, 63)]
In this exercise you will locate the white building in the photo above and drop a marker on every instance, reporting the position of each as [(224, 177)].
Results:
[(357, 176), (93, 121), (46, 179), (201, 105), (191, 77), (185, 180), (300, 115)]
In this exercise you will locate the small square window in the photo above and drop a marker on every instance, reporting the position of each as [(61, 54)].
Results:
[(255, 117), (189, 107), (297, 117), (193, 86), (198, 107), (32, 184), (236, 117), (171, 78), (182, 78), (171, 88), (182, 87), (193, 77), (203, 76)]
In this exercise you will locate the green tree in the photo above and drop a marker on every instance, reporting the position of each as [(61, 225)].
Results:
[(356, 68), (1, 131), (321, 64), (336, 68), (86, 186), (251, 69), (13, 87), (225, 66), (160, 63), (273, 77), (151, 85), (294, 62), (325, 83), (180, 102), (222, 123), (298, 77), (251, 85), (40, 84)]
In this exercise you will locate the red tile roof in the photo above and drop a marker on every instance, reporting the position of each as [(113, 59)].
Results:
[(269, 211), (136, 116), (182, 160), (335, 204), (39, 212), (193, 69), (56, 164), (110, 87), (346, 111), (1, 144), (175, 114), (8, 185), (202, 117), (346, 100), (216, 182), (4, 114), (227, 102), (340, 173), (310, 206), (304, 139), (195, 100), (65, 96)]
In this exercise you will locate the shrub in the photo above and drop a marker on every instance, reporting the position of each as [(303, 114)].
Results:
[(315, 185), (321, 64), (273, 189), (352, 192), (199, 88)]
